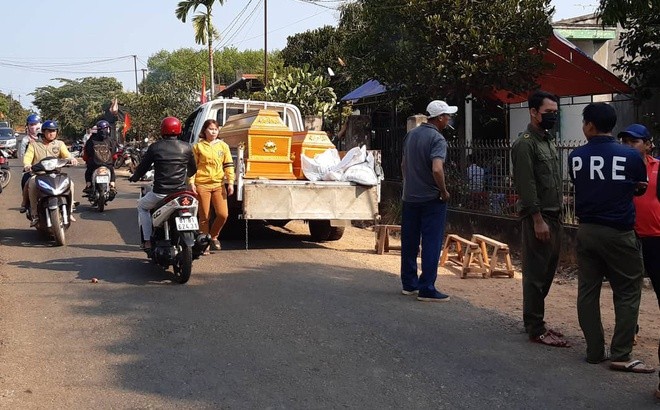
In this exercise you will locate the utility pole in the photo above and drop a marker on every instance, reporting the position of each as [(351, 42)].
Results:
[(265, 43), (144, 74), (135, 67)]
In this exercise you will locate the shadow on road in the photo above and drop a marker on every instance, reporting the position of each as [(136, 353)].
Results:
[(295, 335), (105, 269)]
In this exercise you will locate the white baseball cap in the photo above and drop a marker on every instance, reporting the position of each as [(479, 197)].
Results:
[(439, 107)]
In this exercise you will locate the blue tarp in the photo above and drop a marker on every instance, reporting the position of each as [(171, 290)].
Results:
[(368, 89)]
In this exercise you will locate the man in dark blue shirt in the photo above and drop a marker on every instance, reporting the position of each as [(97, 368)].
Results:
[(607, 175), (425, 199)]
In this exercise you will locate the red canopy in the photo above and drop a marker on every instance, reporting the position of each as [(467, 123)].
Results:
[(574, 74)]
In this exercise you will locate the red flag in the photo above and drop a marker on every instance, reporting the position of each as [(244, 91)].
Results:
[(127, 124), (202, 98)]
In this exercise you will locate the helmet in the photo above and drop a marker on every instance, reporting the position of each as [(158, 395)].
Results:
[(170, 126), (33, 119), (102, 124), (49, 125)]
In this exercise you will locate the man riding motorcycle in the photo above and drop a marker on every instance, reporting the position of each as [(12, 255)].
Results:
[(98, 151), (173, 162), (47, 146)]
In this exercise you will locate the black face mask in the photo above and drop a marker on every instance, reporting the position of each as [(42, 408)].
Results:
[(103, 132), (548, 120)]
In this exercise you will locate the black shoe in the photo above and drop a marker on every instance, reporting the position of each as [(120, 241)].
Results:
[(23, 210), (87, 190), (433, 296), (112, 193)]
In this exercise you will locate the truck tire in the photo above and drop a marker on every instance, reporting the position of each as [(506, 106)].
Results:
[(321, 231)]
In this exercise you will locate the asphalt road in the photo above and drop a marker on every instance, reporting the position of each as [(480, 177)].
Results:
[(286, 324)]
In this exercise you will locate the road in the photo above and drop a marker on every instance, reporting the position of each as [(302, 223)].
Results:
[(286, 324)]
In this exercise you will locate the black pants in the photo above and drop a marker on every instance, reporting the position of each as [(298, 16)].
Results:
[(90, 170), (651, 254)]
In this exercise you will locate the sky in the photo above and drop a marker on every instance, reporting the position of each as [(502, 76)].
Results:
[(80, 38)]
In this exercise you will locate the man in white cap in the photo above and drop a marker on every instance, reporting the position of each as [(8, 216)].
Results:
[(425, 199)]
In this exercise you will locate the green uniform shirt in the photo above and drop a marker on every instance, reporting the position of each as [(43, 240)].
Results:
[(536, 172)]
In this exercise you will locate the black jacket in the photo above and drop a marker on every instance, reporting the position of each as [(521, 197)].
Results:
[(173, 162), (99, 151)]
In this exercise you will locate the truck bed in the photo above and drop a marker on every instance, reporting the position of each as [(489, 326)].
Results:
[(307, 200)]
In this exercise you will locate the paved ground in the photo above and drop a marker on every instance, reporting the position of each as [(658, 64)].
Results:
[(286, 324)]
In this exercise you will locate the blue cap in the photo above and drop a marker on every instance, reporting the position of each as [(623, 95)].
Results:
[(637, 131)]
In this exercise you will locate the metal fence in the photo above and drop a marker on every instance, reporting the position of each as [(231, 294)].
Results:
[(479, 178)]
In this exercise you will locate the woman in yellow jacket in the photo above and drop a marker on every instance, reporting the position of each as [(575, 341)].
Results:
[(215, 168)]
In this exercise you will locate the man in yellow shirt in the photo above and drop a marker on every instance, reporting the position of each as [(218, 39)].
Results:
[(47, 146)]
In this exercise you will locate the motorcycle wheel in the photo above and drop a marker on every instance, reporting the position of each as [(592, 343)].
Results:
[(184, 267), (58, 227), (119, 162), (100, 203), (5, 177)]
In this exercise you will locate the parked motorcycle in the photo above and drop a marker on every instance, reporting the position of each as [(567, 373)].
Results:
[(54, 198), (175, 240), (118, 157), (132, 157), (100, 194), (77, 149), (5, 172)]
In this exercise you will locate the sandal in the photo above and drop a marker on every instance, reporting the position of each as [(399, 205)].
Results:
[(556, 333), (550, 339), (633, 366), (215, 245)]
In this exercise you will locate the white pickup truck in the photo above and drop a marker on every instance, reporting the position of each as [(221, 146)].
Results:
[(327, 206)]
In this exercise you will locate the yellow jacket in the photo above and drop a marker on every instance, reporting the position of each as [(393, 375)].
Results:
[(37, 150), (214, 163)]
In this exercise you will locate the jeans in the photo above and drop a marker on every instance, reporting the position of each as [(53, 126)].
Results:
[(145, 205), (425, 221)]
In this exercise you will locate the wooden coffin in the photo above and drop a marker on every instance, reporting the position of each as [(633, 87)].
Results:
[(267, 142), (309, 143)]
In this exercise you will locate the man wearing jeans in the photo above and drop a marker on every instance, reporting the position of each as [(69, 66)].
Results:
[(425, 199)]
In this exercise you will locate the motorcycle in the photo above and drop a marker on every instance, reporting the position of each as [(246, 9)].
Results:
[(131, 158), (100, 194), (77, 149), (5, 173), (118, 157), (175, 239), (54, 198)]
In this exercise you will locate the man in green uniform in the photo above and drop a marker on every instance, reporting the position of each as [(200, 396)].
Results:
[(537, 179)]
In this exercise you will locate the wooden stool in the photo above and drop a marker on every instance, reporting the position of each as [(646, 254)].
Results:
[(464, 258), (383, 237), (499, 248)]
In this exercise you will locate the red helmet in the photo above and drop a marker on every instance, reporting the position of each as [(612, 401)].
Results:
[(170, 126)]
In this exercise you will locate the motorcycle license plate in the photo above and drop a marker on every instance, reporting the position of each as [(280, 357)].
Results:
[(186, 223), (103, 179)]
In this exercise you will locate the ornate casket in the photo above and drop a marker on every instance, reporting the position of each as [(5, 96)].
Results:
[(267, 141)]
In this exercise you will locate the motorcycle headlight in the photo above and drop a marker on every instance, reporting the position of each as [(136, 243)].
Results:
[(54, 190)]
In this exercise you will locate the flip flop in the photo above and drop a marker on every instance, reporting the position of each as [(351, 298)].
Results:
[(550, 339), (556, 333), (633, 366)]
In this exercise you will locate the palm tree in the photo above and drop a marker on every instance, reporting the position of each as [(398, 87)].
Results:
[(204, 30)]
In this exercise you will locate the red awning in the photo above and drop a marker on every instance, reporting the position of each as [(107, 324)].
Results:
[(574, 74)]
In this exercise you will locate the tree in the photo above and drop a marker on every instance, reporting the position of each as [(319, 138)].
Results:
[(321, 50), (446, 49), (12, 111), (77, 104), (205, 32), (298, 86), (171, 96), (639, 42)]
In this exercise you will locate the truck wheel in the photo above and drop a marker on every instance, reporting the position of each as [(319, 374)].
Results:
[(321, 231)]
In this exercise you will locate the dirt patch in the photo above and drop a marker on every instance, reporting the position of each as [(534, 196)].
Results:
[(504, 295)]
